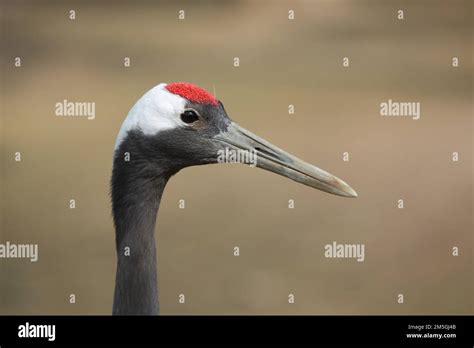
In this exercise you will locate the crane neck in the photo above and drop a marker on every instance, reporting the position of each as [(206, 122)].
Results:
[(136, 187)]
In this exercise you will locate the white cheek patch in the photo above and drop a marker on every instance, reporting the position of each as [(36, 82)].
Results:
[(155, 111)]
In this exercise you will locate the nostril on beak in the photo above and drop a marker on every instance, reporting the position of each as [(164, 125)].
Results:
[(267, 152)]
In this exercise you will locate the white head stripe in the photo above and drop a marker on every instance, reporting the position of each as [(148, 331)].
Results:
[(157, 110)]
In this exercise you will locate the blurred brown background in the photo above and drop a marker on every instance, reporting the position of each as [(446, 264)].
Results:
[(282, 62)]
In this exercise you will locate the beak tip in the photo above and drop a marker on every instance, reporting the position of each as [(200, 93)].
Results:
[(348, 191), (350, 194)]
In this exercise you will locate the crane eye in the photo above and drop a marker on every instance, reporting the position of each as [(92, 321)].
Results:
[(189, 116)]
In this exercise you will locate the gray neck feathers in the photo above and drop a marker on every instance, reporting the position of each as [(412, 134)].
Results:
[(136, 195)]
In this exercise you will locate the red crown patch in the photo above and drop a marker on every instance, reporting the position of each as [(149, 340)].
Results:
[(192, 93)]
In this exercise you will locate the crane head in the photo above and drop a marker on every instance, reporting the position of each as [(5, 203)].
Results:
[(177, 125)]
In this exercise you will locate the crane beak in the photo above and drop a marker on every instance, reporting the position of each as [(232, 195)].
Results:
[(269, 157)]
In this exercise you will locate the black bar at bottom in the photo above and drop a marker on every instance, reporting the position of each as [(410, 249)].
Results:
[(413, 330)]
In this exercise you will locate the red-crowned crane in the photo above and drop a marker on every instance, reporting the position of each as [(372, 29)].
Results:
[(173, 126)]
